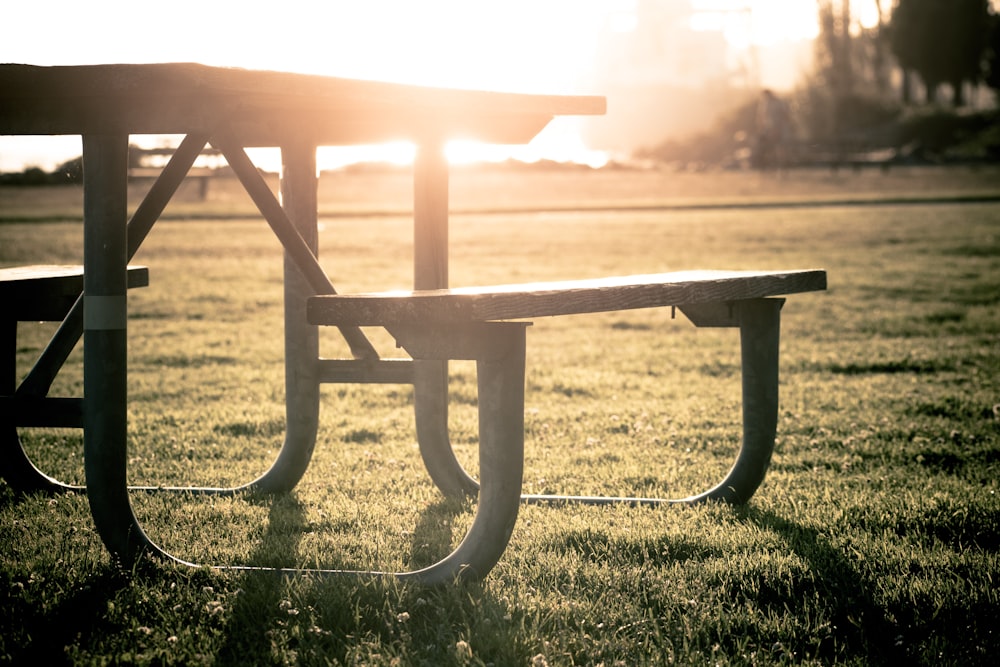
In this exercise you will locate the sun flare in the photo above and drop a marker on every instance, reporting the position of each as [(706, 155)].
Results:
[(549, 47)]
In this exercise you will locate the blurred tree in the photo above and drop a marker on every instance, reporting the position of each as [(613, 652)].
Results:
[(879, 61), (852, 76), (834, 45), (34, 176), (942, 41), (992, 74), (834, 57), (70, 171)]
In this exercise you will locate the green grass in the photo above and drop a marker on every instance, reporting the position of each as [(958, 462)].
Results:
[(874, 539)]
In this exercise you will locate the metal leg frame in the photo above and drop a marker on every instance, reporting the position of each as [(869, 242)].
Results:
[(498, 348), (757, 320), (759, 323), (298, 189), (105, 427), (295, 224), (296, 218), (499, 351), (430, 271), (17, 468)]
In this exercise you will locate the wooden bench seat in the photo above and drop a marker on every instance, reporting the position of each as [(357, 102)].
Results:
[(519, 301), (45, 292)]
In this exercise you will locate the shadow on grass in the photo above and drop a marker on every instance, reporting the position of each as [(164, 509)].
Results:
[(432, 537), (258, 602), (8, 497), (872, 622), (286, 524), (76, 616), (861, 626), (599, 546), (356, 619), (857, 613)]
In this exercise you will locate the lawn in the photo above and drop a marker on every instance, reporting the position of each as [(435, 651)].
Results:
[(875, 538)]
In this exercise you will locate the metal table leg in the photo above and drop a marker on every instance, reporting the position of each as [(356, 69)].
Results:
[(18, 469), (104, 356), (298, 197), (759, 323), (430, 271)]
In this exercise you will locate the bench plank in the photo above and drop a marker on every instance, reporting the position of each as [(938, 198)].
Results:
[(519, 301), (46, 292)]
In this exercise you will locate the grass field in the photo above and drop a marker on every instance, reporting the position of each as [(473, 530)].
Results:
[(875, 538)]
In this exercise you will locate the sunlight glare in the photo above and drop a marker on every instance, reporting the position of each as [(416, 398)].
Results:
[(396, 153), (528, 46), (747, 23), (516, 46), (867, 13), (559, 142)]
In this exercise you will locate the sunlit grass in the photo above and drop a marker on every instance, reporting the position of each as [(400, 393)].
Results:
[(873, 540)]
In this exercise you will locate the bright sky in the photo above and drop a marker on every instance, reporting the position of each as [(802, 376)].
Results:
[(765, 22), (516, 45)]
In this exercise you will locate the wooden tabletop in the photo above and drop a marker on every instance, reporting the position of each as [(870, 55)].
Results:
[(265, 108)]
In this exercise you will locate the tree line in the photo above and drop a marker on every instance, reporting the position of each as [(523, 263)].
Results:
[(933, 42), (875, 93), (66, 173)]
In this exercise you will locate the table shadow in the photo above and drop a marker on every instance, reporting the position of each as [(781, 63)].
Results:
[(859, 620)]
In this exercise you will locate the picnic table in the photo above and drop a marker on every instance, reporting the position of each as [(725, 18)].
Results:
[(233, 109)]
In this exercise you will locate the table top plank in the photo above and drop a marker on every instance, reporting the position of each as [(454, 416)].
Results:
[(265, 108)]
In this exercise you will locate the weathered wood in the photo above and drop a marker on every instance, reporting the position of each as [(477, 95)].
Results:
[(508, 302), (264, 108)]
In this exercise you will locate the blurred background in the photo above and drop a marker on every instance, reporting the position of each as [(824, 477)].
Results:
[(852, 81)]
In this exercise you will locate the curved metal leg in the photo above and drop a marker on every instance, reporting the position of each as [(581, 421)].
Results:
[(105, 422), (759, 337), (430, 398), (759, 323), (302, 407), (430, 271), (298, 189), (501, 456), (501, 462), (16, 467), (21, 474)]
